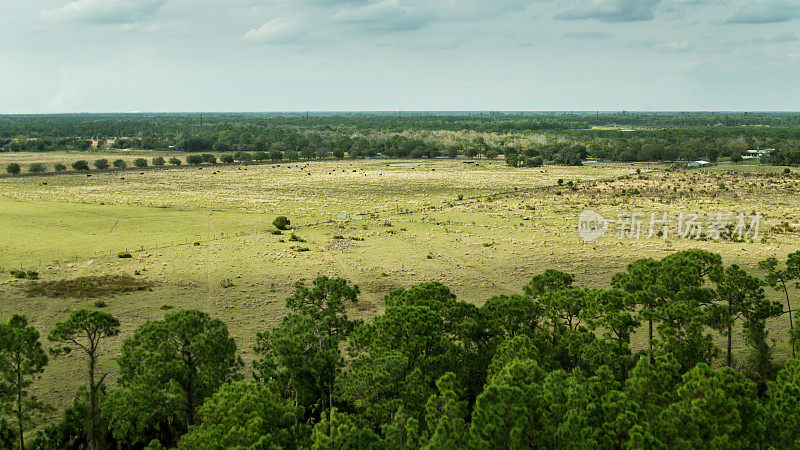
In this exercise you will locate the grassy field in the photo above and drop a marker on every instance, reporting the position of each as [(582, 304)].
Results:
[(203, 236)]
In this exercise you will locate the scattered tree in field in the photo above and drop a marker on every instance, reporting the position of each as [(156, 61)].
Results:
[(260, 156), (175, 161), (13, 168), (227, 159), (158, 161), (80, 165), (59, 167), (194, 159), (85, 330), (120, 163), (101, 164), (281, 223), (140, 163), (37, 168), (21, 360), (209, 158)]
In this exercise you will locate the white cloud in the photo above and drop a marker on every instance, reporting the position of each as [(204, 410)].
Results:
[(279, 31), (104, 11)]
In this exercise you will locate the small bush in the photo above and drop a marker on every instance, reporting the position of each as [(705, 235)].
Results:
[(209, 158), (460, 197), (175, 161), (25, 274), (302, 249), (140, 163), (58, 167), (194, 159), (296, 238), (787, 171), (120, 163), (37, 168), (227, 159), (124, 255), (80, 165), (99, 304), (226, 283), (196, 244), (281, 223), (101, 164), (276, 232), (338, 236), (13, 168), (560, 181), (158, 161), (166, 307)]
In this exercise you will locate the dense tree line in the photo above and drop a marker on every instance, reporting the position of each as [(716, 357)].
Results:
[(552, 366), (520, 137)]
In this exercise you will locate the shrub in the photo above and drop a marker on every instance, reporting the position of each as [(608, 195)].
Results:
[(209, 158), (120, 163), (276, 232), (124, 255), (536, 162), (281, 222), (140, 163), (166, 307), (29, 274), (58, 167), (99, 304), (101, 164), (560, 181), (736, 157), (786, 171), (37, 168), (296, 238), (227, 159), (175, 161), (87, 287), (260, 156), (80, 165), (13, 168), (243, 156), (158, 161), (194, 159)]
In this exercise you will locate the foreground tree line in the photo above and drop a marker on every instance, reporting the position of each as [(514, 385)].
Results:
[(550, 367)]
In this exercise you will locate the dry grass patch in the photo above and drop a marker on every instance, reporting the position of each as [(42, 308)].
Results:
[(88, 287)]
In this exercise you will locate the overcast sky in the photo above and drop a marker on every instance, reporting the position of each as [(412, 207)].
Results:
[(296, 55)]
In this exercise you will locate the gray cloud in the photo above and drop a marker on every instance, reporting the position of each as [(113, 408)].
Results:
[(612, 11), (104, 11), (766, 11)]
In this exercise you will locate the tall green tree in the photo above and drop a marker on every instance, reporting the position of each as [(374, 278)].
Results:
[(167, 370), (85, 330), (743, 298), (21, 360), (243, 414), (302, 356), (779, 278)]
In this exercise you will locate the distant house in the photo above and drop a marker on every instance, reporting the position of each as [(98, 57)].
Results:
[(695, 164), (758, 153)]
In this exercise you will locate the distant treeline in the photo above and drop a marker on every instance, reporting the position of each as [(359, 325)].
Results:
[(552, 366), (665, 136)]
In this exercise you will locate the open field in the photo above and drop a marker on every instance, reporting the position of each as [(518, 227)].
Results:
[(480, 227)]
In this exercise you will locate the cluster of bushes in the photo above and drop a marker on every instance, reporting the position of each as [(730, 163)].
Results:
[(551, 366)]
